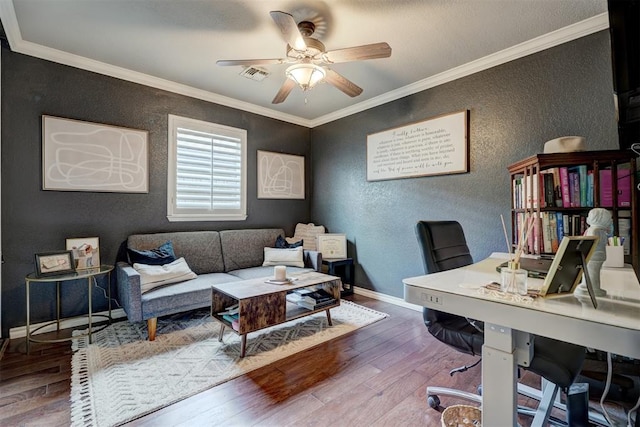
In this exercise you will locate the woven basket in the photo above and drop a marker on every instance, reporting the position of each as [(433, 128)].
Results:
[(461, 416)]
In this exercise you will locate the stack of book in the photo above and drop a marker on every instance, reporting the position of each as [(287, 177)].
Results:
[(310, 299), (572, 187), (231, 315)]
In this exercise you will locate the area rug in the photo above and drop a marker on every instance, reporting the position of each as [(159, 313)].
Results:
[(122, 376)]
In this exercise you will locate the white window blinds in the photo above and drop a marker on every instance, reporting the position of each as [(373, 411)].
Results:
[(207, 164)]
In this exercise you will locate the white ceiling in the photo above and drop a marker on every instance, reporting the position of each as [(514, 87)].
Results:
[(174, 44)]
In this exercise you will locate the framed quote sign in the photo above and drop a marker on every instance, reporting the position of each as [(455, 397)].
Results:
[(438, 146)]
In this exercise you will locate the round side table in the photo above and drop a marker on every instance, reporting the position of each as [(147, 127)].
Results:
[(89, 274)]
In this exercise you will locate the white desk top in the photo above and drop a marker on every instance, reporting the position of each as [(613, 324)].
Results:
[(566, 317)]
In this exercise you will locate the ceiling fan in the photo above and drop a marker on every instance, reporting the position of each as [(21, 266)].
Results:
[(308, 57)]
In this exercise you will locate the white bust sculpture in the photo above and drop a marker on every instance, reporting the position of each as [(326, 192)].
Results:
[(600, 222)]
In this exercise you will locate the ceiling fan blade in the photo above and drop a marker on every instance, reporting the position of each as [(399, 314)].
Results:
[(284, 91), (289, 29), (358, 53), (248, 62), (342, 83)]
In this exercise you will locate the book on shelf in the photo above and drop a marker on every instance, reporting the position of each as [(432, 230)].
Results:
[(317, 297), (582, 184), (532, 191), (234, 309), (553, 226), (231, 317), (293, 297), (606, 189), (624, 185), (546, 233), (556, 187), (515, 190), (560, 226), (534, 242), (553, 231), (317, 306), (549, 189), (590, 188), (574, 188), (564, 187)]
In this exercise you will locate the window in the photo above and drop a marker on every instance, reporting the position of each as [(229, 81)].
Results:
[(207, 171)]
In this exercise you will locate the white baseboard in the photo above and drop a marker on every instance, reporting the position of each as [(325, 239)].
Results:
[(74, 322), (386, 298)]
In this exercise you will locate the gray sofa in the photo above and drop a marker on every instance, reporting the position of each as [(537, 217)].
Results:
[(216, 257)]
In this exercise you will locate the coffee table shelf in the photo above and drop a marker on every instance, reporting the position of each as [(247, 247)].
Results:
[(261, 304)]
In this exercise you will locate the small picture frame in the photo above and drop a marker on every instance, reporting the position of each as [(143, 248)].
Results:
[(332, 245), (86, 252), (54, 263)]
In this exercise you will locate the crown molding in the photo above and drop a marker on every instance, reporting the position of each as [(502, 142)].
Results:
[(538, 44), (572, 32)]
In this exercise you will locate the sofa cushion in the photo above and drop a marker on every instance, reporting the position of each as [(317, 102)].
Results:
[(189, 295), (201, 249), (163, 254), (307, 233), (245, 248), (291, 257), (153, 276), (282, 243)]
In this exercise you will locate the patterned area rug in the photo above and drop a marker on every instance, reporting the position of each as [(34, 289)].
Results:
[(122, 376)]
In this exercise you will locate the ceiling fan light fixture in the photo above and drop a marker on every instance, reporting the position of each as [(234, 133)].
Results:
[(306, 75)]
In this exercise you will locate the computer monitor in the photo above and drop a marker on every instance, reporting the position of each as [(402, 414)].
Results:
[(568, 266)]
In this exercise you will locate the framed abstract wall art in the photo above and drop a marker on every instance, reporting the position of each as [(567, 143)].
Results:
[(84, 156), (280, 176)]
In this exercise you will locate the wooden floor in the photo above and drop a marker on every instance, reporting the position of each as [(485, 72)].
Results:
[(375, 376)]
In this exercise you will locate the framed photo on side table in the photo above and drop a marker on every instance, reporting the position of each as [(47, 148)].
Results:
[(332, 245), (86, 252), (54, 263)]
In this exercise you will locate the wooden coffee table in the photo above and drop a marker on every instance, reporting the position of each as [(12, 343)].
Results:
[(262, 304)]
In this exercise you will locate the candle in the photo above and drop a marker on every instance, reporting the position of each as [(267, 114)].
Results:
[(280, 272)]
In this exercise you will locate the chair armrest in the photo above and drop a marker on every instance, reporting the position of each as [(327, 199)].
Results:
[(129, 291), (313, 259)]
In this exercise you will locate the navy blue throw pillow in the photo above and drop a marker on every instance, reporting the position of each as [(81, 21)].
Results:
[(281, 243), (159, 256)]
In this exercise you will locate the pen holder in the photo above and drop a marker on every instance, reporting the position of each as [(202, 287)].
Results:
[(513, 279), (615, 256)]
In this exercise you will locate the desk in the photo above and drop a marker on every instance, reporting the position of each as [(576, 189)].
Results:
[(89, 274), (613, 327)]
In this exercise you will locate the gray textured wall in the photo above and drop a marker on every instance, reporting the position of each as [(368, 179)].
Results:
[(35, 221), (514, 109)]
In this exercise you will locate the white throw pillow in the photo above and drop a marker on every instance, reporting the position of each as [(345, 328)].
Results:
[(291, 257), (152, 276)]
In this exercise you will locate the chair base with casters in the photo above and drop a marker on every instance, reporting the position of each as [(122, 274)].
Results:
[(443, 247)]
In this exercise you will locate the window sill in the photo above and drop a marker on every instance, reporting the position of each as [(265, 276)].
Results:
[(182, 218)]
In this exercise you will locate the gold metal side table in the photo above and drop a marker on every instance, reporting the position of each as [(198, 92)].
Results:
[(90, 274)]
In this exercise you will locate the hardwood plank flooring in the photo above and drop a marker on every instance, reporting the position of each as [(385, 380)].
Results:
[(375, 376)]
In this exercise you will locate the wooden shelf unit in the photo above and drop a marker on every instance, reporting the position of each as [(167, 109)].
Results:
[(595, 161)]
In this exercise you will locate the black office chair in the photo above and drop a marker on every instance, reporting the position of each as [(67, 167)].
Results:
[(444, 247)]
